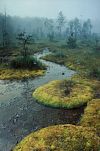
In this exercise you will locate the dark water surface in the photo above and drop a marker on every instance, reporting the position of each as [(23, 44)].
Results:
[(20, 114)]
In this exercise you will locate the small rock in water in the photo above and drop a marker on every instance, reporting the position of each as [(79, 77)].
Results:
[(63, 73)]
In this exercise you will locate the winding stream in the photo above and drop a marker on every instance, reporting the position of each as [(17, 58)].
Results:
[(20, 114)]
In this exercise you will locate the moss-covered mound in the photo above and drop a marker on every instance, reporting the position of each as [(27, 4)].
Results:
[(64, 94), (91, 117), (7, 74), (60, 138)]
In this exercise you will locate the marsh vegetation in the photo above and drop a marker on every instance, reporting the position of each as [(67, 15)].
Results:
[(66, 56)]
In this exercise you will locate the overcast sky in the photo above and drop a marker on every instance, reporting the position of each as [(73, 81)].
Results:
[(50, 8)]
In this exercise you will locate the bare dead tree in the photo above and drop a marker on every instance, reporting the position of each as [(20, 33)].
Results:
[(4, 31)]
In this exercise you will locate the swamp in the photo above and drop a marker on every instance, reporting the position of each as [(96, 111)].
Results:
[(49, 75)]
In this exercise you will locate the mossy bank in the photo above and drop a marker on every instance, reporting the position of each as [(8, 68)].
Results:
[(91, 116), (60, 138), (64, 93), (9, 74)]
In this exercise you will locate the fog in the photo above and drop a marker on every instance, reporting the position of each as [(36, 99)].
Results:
[(50, 8), (82, 9)]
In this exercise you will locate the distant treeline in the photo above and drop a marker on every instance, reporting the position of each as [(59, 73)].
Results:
[(44, 28)]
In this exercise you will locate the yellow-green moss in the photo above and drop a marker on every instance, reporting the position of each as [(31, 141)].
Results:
[(91, 116), (6, 74), (93, 83), (52, 94), (60, 138)]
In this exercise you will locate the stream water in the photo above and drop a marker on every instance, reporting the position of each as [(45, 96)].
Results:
[(20, 114)]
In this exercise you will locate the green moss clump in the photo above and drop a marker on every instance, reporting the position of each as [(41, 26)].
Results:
[(26, 62), (91, 117), (60, 138), (53, 94)]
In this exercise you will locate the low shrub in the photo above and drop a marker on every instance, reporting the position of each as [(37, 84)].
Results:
[(94, 73), (72, 42), (26, 62), (67, 85), (59, 54)]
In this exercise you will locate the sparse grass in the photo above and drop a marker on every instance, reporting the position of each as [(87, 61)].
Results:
[(54, 94), (94, 72), (8, 74), (60, 138), (85, 60), (91, 117), (93, 83)]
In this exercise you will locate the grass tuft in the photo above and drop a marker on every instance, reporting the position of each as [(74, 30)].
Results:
[(26, 62), (9, 74)]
